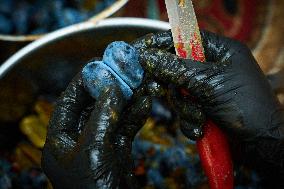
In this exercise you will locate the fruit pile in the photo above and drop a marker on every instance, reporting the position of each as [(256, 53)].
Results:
[(10, 177), (163, 157), (168, 160), (37, 17)]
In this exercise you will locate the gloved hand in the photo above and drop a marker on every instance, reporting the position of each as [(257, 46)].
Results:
[(95, 120), (231, 90)]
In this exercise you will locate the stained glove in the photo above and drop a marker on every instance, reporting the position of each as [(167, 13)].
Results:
[(88, 143), (95, 120), (230, 89)]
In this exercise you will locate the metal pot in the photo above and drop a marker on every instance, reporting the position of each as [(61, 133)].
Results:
[(45, 67)]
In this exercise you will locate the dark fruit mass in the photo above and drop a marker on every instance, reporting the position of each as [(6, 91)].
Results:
[(38, 17)]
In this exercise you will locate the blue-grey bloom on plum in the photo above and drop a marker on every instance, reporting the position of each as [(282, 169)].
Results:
[(120, 66)]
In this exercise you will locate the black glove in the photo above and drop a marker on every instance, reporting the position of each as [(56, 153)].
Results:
[(88, 143), (91, 130), (231, 90)]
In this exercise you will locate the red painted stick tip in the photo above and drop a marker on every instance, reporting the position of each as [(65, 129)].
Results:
[(197, 52)]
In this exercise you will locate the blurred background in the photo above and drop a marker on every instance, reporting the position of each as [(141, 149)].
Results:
[(32, 79)]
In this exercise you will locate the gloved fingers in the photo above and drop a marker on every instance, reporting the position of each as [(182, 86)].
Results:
[(191, 130), (135, 116), (159, 94), (220, 48), (132, 121), (150, 87), (96, 145), (155, 89), (161, 40), (191, 115), (189, 74), (111, 141), (105, 115), (89, 159), (217, 48), (188, 109), (64, 124)]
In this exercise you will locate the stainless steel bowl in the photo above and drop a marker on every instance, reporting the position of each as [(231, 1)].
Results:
[(45, 66), (9, 44)]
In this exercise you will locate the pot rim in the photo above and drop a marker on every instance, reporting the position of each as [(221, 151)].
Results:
[(113, 22)]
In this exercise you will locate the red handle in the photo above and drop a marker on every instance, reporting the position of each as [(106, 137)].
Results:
[(213, 148), (215, 157)]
